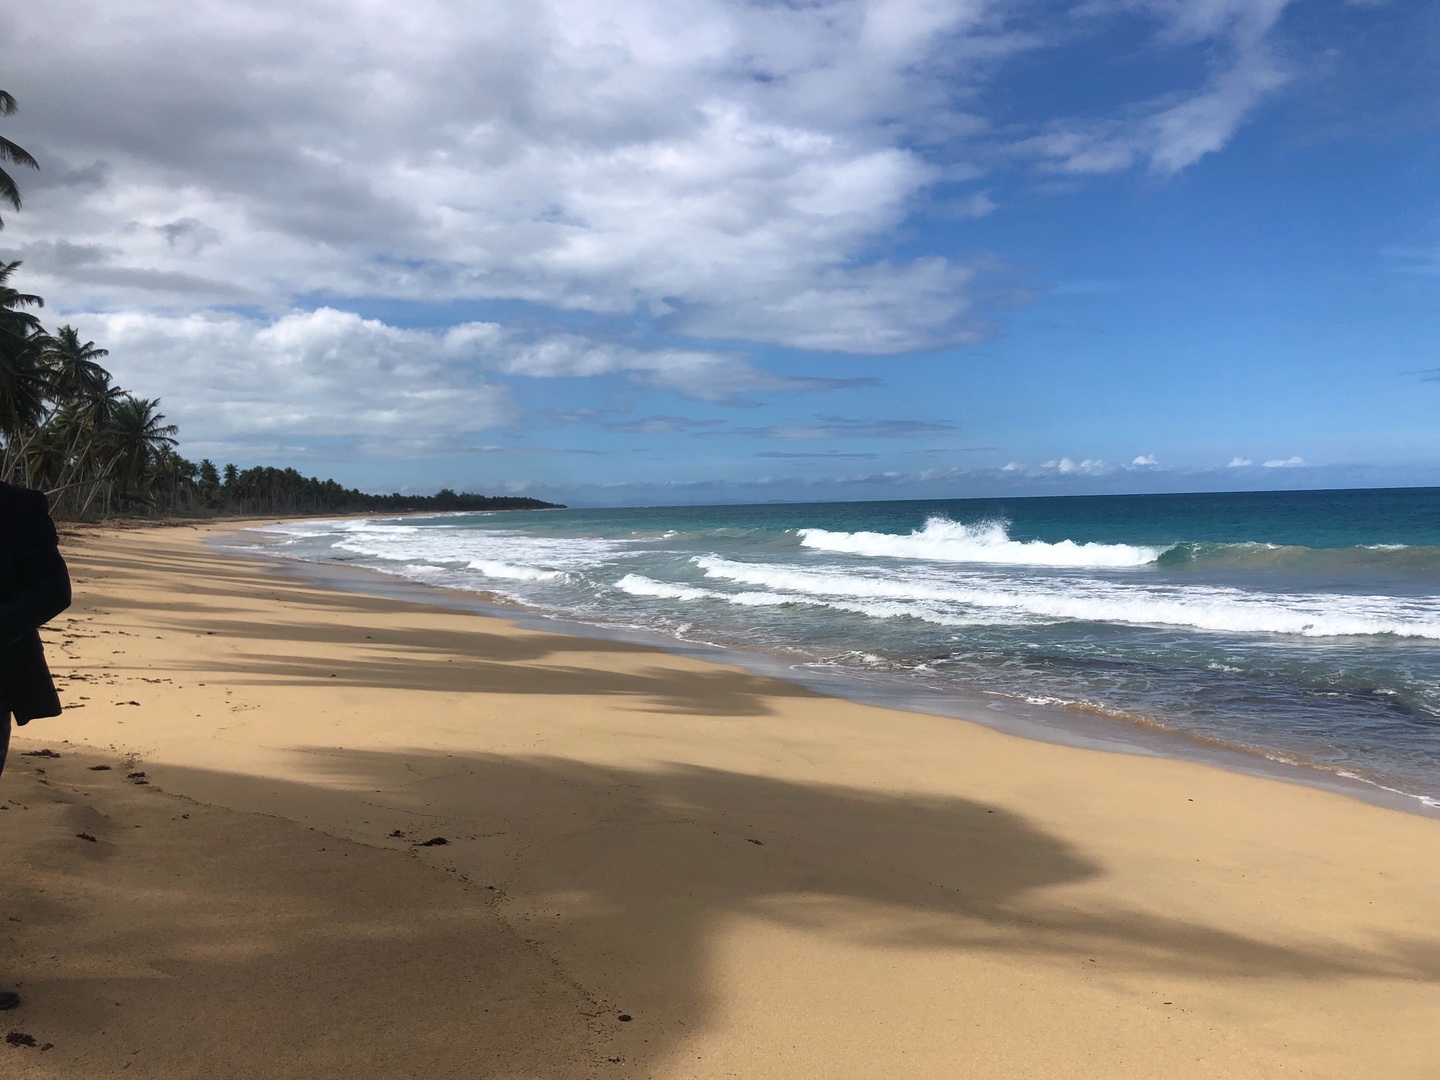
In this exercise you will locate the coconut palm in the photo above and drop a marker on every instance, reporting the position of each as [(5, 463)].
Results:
[(9, 151), (24, 385), (136, 436), (15, 321), (75, 372)]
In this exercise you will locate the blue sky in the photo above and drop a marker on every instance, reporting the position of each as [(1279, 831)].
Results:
[(708, 251)]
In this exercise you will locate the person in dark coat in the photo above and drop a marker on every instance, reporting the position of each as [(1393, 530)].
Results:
[(34, 588)]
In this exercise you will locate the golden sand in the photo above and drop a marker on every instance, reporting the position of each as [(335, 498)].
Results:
[(768, 882)]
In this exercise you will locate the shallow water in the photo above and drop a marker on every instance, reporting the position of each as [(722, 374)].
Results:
[(1304, 626)]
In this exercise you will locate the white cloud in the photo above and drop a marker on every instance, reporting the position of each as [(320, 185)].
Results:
[(1144, 459), (1285, 463), (688, 157), (1174, 131), (705, 376), (304, 379), (1240, 462), (715, 169), (1066, 466), (327, 374), (729, 167)]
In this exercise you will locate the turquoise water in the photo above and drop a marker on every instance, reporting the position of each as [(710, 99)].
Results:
[(1304, 626)]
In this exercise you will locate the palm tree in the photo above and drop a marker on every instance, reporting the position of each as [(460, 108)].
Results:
[(76, 443), (9, 151), (14, 321), (75, 373), (24, 385), (136, 436)]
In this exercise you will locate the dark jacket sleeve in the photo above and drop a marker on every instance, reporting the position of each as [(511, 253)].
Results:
[(45, 589)]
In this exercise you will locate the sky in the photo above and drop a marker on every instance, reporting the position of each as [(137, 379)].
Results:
[(618, 252)]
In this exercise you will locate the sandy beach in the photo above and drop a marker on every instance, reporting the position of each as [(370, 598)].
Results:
[(652, 866)]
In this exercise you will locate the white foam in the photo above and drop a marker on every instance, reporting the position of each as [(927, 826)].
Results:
[(511, 572), (487, 550), (1070, 599), (638, 585), (937, 590), (943, 540)]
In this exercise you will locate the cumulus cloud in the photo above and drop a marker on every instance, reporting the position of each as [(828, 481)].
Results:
[(716, 171), (685, 158), (1285, 463), (1142, 460), (727, 168), (1240, 462), (305, 380), (328, 375), (1065, 466)]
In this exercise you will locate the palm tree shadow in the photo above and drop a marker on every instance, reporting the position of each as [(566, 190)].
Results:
[(627, 877), (619, 882)]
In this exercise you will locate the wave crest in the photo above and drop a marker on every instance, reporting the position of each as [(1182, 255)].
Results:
[(511, 571), (943, 540), (993, 600)]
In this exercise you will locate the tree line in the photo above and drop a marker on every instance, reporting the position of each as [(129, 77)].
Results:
[(99, 450)]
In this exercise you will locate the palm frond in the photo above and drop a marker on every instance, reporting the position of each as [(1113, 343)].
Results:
[(7, 103), (8, 191), (10, 151)]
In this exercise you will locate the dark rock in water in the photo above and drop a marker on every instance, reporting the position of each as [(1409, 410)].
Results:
[(434, 841), (40, 753)]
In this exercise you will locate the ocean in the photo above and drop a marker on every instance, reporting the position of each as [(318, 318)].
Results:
[(1301, 628)]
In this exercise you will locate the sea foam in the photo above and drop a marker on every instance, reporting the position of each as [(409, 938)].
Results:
[(943, 540), (1213, 608)]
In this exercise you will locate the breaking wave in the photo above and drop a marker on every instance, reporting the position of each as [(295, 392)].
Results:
[(943, 540), (1212, 608), (511, 572)]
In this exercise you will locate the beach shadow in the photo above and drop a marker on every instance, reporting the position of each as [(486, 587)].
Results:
[(951, 872), (189, 941), (425, 659), (653, 689), (604, 889)]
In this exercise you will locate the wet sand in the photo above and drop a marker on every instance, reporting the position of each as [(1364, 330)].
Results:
[(766, 881)]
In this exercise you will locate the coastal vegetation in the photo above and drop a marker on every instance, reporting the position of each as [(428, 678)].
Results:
[(99, 450)]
